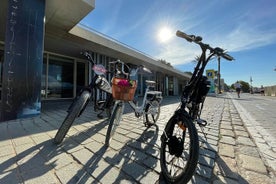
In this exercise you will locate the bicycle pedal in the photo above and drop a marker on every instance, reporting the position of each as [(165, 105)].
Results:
[(201, 122), (100, 102), (147, 124)]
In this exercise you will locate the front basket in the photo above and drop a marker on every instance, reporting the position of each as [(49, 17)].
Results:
[(125, 93)]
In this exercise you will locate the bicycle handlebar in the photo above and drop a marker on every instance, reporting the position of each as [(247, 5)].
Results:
[(88, 55), (197, 39), (122, 67), (116, 63), (189, 38)]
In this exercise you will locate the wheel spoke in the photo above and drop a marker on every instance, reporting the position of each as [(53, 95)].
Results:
[(176, 150)]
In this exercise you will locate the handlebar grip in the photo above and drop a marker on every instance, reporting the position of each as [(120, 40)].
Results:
[(189, 38), (184, 35), (88, 56), (227, 57)]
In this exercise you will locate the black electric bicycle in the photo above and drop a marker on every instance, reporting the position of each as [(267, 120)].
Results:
[(179, 141), (78, 105)]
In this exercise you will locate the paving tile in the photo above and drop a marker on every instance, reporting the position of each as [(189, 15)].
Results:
[(252, 163), (228, 140), (133, 156), (227, 132), (207, 161), (73, 173), (226, 150), (6, 150), (245, 141), (204, 171)]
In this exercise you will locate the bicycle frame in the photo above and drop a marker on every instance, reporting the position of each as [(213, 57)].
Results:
[(98, 82), (150, 109), (136, 107), (191, 91), (82, 99), (179, 141)]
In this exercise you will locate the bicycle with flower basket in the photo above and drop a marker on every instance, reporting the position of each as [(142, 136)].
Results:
[(123, 90)]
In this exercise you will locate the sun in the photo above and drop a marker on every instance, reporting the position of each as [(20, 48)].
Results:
[(165, 34)]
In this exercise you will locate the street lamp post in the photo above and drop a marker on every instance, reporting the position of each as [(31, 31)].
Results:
[(219, 87), (251, 88)]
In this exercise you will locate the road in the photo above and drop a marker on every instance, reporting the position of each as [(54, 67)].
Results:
[(259, 115), (261, 108)]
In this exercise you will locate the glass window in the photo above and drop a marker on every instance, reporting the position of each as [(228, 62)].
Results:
[(1, 70), (171, 85), (60, 77)]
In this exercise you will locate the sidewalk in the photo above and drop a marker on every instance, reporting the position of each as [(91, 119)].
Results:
[(28, 155), (239, 160)]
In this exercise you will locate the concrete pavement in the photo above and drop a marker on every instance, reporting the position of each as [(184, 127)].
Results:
[(240, 158), (28, 155)]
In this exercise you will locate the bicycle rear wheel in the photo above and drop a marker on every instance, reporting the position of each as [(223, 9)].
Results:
[(152, 112), (76, 108), (179, 150), (114, 121)]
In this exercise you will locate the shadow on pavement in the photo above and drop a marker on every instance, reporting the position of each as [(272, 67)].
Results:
[(37, 160), (226, 173), (129, 163)]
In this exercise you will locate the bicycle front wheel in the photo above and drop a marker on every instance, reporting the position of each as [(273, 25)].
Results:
[(152, 112), (114, 121), (179, 150), (71, 116)]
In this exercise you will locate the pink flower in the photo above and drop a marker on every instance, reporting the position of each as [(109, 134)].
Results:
[(123, 82)]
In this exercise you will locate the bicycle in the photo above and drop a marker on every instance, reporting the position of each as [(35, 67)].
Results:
[(179, 140), (80, 102), (149, 109)]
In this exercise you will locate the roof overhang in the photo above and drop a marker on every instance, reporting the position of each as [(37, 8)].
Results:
[(64, 35), (111, 47), (60, 15)]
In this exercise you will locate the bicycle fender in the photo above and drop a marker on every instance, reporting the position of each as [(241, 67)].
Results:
[(76, 98), (85, 105)]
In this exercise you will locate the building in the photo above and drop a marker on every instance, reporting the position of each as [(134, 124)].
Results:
[(40, 45)]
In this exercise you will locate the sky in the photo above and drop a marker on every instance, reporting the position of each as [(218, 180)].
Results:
[(245, 29)]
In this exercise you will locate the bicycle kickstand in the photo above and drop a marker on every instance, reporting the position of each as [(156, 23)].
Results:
[(202, 123)]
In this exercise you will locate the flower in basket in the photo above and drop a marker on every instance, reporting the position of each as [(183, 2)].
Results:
[(123, 89), (125, 82)]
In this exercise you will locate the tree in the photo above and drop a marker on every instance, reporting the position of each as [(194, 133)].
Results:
[(226, 87), (245, 86), (189, 73), (165, 62)]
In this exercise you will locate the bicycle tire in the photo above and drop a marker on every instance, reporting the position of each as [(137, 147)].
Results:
[(114, 121), (152, 112), (71, 116), (173, 149)]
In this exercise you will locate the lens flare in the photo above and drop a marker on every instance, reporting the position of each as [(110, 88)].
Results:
[(165, 34)]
